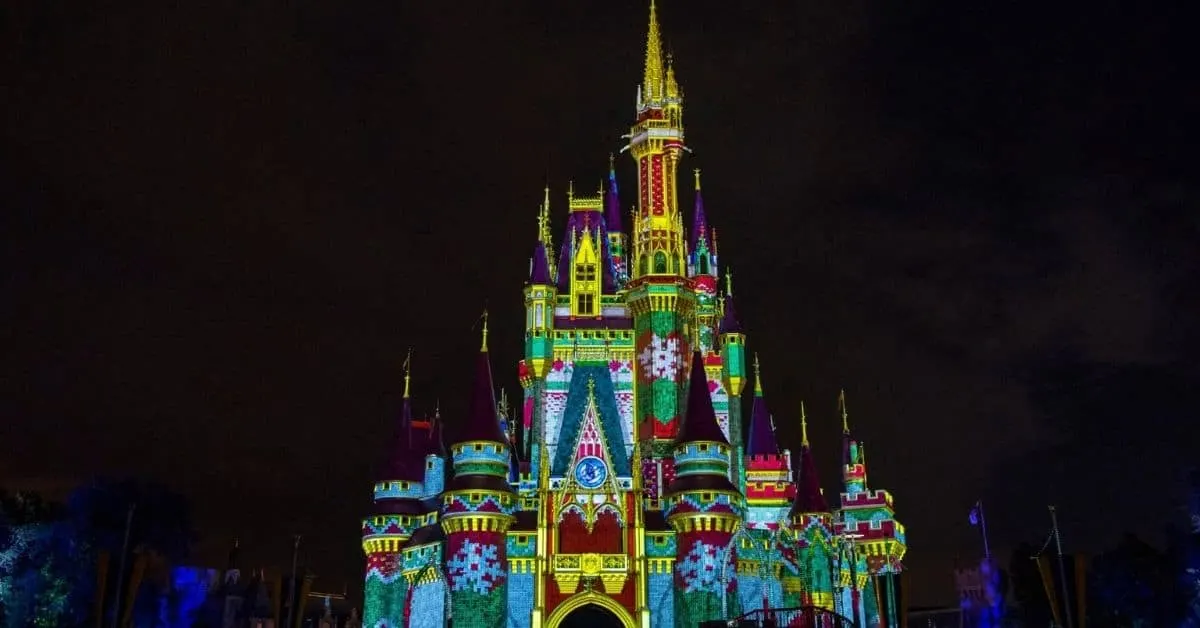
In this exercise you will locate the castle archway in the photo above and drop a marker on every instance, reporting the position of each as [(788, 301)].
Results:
[(590, 610)]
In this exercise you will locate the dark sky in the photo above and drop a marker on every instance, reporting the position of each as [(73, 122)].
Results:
[(224, 225)]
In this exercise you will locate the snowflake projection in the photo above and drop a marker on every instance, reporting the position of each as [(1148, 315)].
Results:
[(660, 358), (701, 569), (475, 566)]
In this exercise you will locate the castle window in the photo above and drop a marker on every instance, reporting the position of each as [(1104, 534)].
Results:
[(585, 272), (585, 304), (703, 264), (660, 263)]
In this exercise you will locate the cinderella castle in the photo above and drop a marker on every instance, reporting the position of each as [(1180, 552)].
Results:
[(627, 490)]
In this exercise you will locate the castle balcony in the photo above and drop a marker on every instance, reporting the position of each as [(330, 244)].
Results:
[(612, 570)]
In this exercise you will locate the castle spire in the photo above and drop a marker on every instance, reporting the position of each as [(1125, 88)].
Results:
[(482, 422), (761, 441), (483, 347), (842, 410), (700, 423), (612, 205), (729, 321), (809, 497), (803, 426), (407, 373), (652, 77)]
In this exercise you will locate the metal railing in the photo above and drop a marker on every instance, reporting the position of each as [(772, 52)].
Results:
[(800, 617)]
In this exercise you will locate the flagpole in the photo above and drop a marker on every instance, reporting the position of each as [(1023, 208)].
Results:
[(1062, 569), (987, 552)]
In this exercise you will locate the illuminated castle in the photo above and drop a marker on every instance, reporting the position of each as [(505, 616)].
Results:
[(629, 494)]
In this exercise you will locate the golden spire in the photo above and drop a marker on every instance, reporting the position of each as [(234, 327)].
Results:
[(652, 79), (714, 236), (845, 415), (697, 173), (611, 163), (803, 426), (483, 347), (757, 377), (672, 86), (407, 371), (728, 282), (570, 189)]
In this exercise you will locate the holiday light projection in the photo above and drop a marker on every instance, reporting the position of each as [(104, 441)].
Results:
[(630, 488)]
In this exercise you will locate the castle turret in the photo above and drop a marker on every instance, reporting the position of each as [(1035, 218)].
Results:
[(769, 487), (769, 492), (868, 518), (705, 510), (812, 524), (398, 511), (733, 362), (478, 508)]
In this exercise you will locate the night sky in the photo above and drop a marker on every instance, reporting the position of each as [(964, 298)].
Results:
[(225, 223)]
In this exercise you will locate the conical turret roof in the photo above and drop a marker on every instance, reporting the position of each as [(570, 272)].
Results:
[(700, 420), (482, 422), (761, 440)]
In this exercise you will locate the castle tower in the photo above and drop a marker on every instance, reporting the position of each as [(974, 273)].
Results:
[(617, 244), (659, 295), (705, 510), (812, 524), (398, 512), (477, 510), (868, 516), (769, 493), (733, 375)]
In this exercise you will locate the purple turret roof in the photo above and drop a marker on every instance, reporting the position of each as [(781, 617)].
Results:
[(809, 498), (612, 201), (482, 422), (729, 322), (700, 422), (761, 441), (404, 459), (539, 273)]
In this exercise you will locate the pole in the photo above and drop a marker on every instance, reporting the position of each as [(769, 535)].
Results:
[(292, 584), (1062, 571), (987, 552), (121, 571)]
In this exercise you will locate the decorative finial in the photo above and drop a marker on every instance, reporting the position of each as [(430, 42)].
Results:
[(570, 189), (697, 172), (483, 347), (407, 371), (845, 415), (757, 376), (728, 282), (546, 197), (653, 76), (612, 168), (714, 239), (803, 426)]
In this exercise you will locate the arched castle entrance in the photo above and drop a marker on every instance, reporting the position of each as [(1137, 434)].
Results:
[(590, 610)]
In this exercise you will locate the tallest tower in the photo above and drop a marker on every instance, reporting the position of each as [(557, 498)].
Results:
[(656, 143), (659, 293)]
